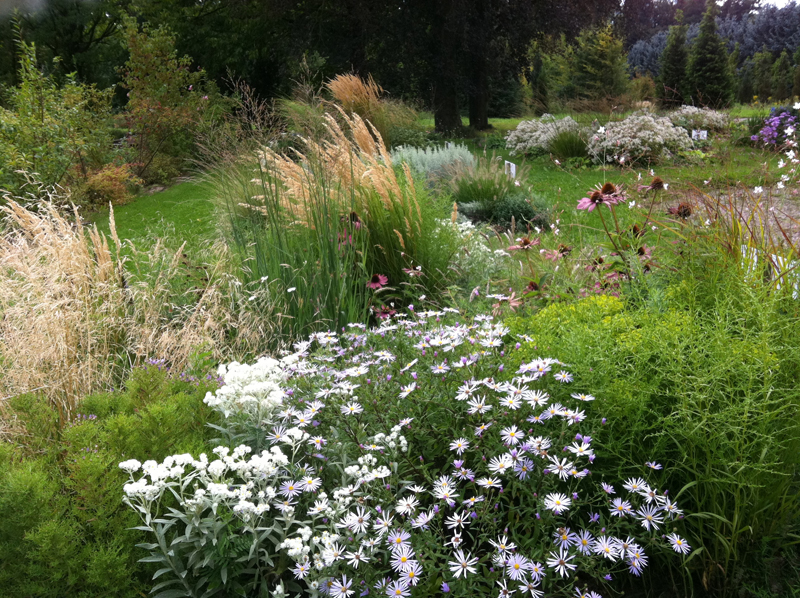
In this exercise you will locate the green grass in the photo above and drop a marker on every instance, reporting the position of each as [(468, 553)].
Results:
[(184, 212)]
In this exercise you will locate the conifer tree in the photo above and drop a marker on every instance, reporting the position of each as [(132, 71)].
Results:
[(709, 76), (796, 83), (600, 67), (762, 75), (782, 77), (671, 84)]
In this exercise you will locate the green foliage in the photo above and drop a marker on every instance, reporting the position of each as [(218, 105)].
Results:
[(65, 531), (762, 75), (115, 184), (600, 67), (703, 376), (782, 77), (167, 101), (60, 132), (568, 144), (485, 182), (671, 89), (537, 79), (708, 74)]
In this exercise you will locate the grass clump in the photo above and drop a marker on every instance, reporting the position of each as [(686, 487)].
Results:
[(334, 232)]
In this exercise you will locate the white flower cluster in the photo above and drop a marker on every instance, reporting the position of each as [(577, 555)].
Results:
[(534, 136), (298, 548), (392, 441), (638, 138), (254, 390), (474, 257), (691, 117), (366, 470), (246, 486), (434, 161)]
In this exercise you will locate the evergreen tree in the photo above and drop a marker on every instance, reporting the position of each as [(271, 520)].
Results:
[(600, 67), (709, 77), (796, 82), (762, 75), (671, 84), (744, 89), (782, 77)]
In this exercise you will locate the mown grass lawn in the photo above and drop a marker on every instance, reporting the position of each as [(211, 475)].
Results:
[(183, 212)]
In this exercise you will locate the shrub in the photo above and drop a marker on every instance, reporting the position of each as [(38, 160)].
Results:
[(434, 161), (703, 377), (409, 471), (64, 532), (167, 100), (691, 117), (115, 184), (773, 132), (533, 137), (59, 132), (639, 138)]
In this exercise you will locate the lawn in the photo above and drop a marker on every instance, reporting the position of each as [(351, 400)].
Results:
[(183, 212)]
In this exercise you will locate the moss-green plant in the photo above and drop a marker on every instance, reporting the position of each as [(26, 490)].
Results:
[(65, 531)]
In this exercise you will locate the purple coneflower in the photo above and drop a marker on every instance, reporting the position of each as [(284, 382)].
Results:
[(377, 281)]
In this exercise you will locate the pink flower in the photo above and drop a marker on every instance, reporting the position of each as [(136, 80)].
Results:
[(377, 281), (608, 194), (524, 243)]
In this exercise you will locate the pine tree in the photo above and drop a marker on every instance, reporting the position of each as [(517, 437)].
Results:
[(709, 76), (671, 84), (782, 77)]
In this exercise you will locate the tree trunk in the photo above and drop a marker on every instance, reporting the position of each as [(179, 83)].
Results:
[(479, 31), (445, 106), (479, 94), (446, 114)]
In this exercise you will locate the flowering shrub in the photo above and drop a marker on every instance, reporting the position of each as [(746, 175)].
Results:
[(778, 129), (691, 117), (534, 136), (475, 260), (638, 138), (396, 458)]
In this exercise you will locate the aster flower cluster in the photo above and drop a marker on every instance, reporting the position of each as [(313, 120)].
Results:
[(777, 130), (638, 138), (692, 117), (532, 137), (406, 453)]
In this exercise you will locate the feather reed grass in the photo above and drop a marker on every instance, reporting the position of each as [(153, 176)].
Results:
[(318, 223)]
